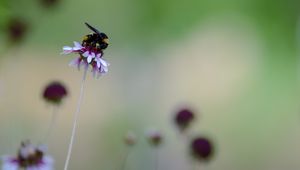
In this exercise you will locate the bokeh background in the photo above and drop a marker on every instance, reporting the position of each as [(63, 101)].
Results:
[(235, 62)]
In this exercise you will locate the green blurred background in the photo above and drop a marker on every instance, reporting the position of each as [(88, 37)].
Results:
[(236, 62)]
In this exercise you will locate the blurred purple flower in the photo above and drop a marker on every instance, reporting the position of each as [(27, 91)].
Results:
[(202, 148), (183, 118), (130, 139), (49, 3), (16, 29), (29, 157), (154, 136), (55, 92)]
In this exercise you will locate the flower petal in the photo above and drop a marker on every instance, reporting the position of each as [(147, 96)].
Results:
[(86, 54), (9, 164), (98, 62), (67, 50), (75, 62), (90, 57), (99, 55), (77, 46), (103, 62)]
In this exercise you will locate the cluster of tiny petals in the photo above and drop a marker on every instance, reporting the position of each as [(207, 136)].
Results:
[(29, 157), (130, 139), (88, 56), (154, 136)]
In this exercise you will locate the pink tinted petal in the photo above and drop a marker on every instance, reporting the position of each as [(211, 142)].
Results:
[(99, 55), (77, 46), (86, 54), (102, 70), (8, 163), (93, 55), (98, 62), (67, 50), (48, 160), (103, 62), (90, 57), (74, 62)]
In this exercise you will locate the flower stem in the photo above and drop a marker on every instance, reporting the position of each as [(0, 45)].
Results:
[(51, 125), (194, 165), (75, 118), (124, 160), (156, 157)]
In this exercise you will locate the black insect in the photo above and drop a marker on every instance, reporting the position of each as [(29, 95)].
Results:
[(98, 39)]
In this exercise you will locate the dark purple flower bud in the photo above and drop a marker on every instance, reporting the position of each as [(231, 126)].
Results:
[(202, 148), (183, 118), (55, 92), (16, 29), (49, 3)]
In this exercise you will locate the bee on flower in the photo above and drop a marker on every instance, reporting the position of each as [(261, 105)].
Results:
[(90, 52), (29, 157)]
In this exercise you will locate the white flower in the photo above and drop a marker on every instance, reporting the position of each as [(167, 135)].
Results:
[(29, 157)]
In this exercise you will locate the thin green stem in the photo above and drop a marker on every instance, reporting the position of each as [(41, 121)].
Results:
[(156, 158), (52, 123), (124, 160), (75, 119)]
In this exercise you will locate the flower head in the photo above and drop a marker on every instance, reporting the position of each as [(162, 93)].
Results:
[(90, 52), (154, 136), (49, 3), (183, 118), (29, 157), (16, 29), (55, 92), (202, 148), (130, 139)]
